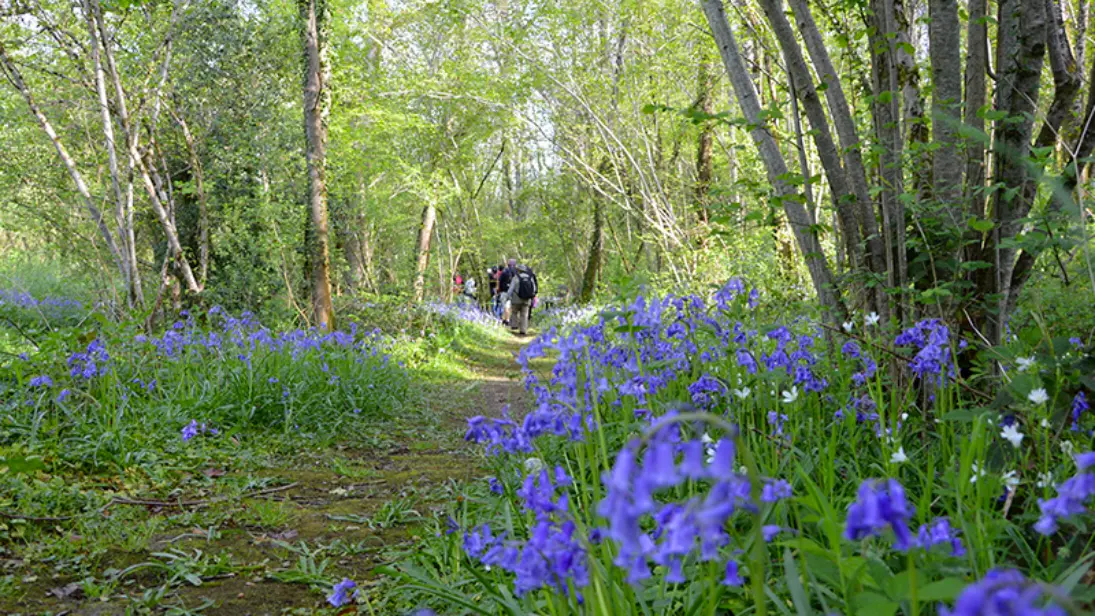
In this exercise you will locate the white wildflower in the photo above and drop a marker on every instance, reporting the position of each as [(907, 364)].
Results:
[(743, 393), (1045, 480), (904, 416), (1044, 423), (706, 439), (790, 396), (1011, 480), (1012, 434), (871, 319), (1067, 447), (534, 465), (1024, 363), (899, 456), (977, 473), (848, 325), (1038, 396)]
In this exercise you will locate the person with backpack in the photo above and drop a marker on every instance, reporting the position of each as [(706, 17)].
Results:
[(522, 294)]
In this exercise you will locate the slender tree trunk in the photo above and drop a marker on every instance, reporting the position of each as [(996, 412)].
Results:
[(705, 102), (1021, 48), (596, 248), (844, 199), (16, 79), (203, 206), (913, 123), (887, 115), (976, 67), (315, 23), (132, 276), (844, 123), (425, 234), (1066, 86), (774, 163), (946, 105)]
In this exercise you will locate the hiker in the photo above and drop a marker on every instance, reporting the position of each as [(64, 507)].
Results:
[(522, 295), (457, 284), (495, 289), (469, 290), (505, 279)]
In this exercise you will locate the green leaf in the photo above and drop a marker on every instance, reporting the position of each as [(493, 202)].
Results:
[(941, 590), (981, 225), (28, 464)]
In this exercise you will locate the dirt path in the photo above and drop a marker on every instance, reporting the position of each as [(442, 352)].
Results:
[(350, 509)]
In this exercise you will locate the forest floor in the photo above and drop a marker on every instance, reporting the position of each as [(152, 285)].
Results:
[(318, 515)]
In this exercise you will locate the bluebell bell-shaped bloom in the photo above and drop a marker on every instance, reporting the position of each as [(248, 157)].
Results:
[(774, 491), (1071, 500), (1003, 592), (880, 504), (1079, 407), (343, 593), (940, 532), (731, 576)]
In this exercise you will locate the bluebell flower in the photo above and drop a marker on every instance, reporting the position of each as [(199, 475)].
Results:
[(341, 595), (41, 381), (880, 504), (774, 491), (65, 393), (190, 430), (1072, 497), (1076, 343), (769, 531), (1003, 592), (496, 486), (940, 532), (1079, 407), (731, 576)]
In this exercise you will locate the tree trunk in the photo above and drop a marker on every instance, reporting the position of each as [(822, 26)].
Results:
[(886, 114), (596, 248), (705, 102), (1021, 50), (775, 165), (16, 79), (131, 274), (976, 67), (844, 199), (315, 23), (425, 234), (199, 189), (946, 104), (913, 124), (844, 123)]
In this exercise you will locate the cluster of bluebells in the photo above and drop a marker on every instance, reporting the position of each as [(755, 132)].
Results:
[(1072, 497), (680, 530), (222, 343), (882, 505), (51, 307), (553, 556), (930, 339), (1005, 592), (194, 428), (461, 311), (91, 362), (1079, 407)]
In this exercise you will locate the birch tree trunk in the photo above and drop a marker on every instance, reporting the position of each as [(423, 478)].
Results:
[(199, 189), (315, 23), (946, 104), (775, 165), (425, 234), (16, 78)]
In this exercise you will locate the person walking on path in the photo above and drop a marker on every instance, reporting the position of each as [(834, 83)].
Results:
[(522, 293), (505, 279)]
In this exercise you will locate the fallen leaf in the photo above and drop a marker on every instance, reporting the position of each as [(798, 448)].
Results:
[(214, 472), (68, 590)]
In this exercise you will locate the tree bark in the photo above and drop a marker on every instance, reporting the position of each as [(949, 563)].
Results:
[(199, 189), (775, 165), (16, 79), (425, 234), (851, 146), (1021, 50), (131, 274), (596, 249), (887, 115), (844, 199), (946, 62), (976, 67), (315, 24), (705, 102)]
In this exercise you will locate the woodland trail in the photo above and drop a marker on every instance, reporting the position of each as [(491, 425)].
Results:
[(346, 511)]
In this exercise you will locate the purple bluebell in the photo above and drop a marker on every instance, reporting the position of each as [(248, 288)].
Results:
[(940, 532), (41, 381), (1003, 592), (1079, 407), (880, 504), (341, 593)]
